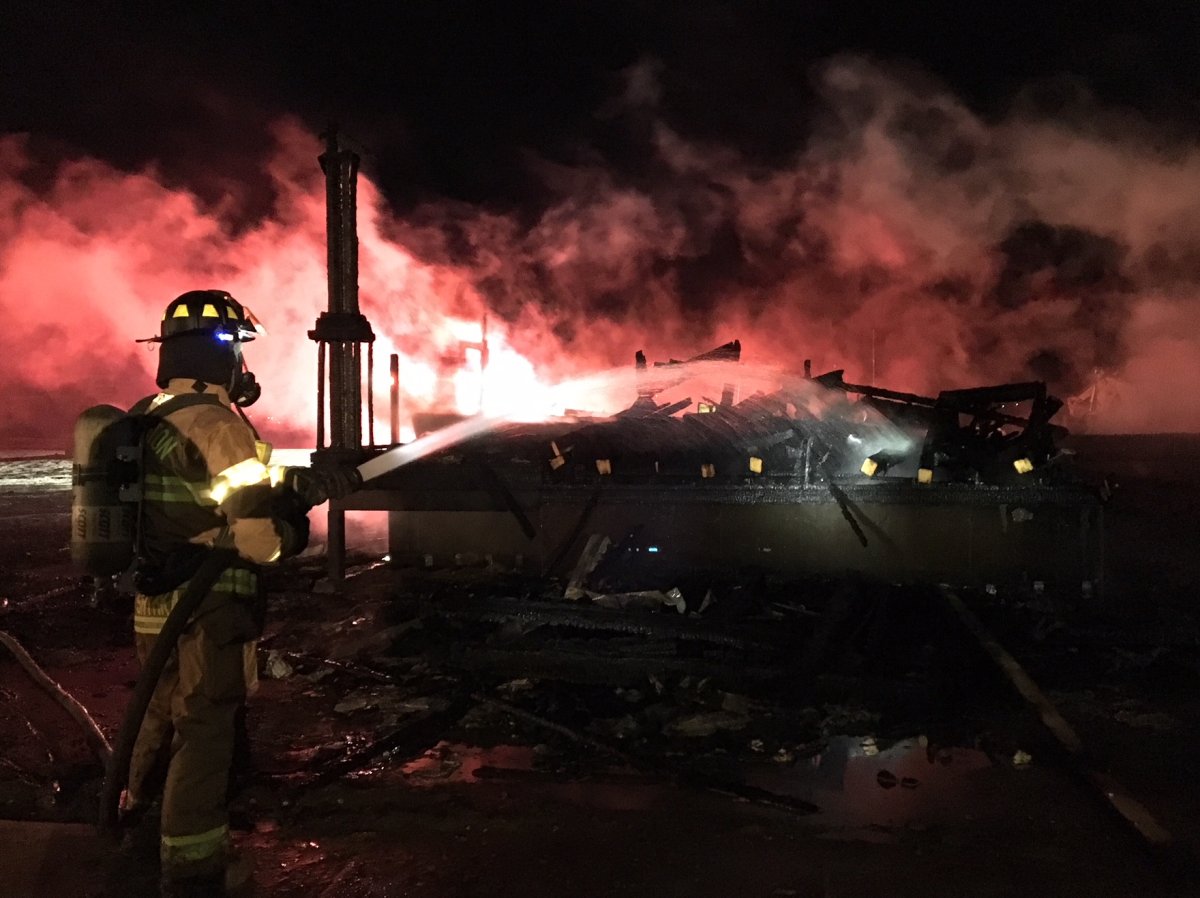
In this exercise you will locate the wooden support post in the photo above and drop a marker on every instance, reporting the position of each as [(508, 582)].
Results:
[(336, 547), (320, 396), (371, 395), (395, 371)]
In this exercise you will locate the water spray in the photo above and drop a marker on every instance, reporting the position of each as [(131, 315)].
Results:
[(605, 394)]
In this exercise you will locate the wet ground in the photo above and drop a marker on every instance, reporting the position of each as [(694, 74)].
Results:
[(401, 747)]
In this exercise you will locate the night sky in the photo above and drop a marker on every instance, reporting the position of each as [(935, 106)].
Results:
[(451, 97)]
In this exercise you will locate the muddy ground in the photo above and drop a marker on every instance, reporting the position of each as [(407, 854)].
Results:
[(842, 741)]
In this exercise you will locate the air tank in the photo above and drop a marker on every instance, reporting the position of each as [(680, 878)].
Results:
[(102, 525)]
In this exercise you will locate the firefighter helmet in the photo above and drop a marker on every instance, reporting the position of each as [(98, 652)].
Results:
[(209, 310), (200, 338)]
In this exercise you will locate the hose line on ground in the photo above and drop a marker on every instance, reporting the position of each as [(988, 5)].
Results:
[(95, 738), (117, 772)]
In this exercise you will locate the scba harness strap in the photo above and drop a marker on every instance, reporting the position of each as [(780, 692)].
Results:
[(154, 578), (153, 407)]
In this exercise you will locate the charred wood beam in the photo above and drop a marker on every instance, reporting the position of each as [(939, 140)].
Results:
[(513, 610), (726, 352), (571, 538), (973, 400), (592, 669), (543, 723), (966, 404), (356, 670), (838, 494), (762, 405), (843, 504), (894, 395), (414, 735), (686, 777), (1134, 813), (665, 411), (1034, 391), (495, 485)]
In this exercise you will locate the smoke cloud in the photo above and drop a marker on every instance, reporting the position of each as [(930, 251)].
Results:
[(909, 240)]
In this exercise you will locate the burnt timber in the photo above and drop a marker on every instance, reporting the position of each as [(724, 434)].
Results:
[(441, 514), (755, 485), (748, 487)]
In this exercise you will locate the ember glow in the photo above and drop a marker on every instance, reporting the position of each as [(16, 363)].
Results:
[(909, 241), (90, 262)]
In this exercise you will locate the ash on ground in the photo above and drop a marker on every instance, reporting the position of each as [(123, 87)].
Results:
[(469, 731)]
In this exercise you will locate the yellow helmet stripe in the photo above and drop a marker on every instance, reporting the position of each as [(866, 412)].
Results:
[(210, 311)]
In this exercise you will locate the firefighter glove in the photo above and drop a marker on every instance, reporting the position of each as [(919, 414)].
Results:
[(317, 485), (290, 513)]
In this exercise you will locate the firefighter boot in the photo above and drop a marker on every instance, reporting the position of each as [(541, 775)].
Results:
[(210, 885)]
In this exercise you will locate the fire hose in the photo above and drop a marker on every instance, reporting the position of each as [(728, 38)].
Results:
[(93, 735), (197, 589), (117, 772)]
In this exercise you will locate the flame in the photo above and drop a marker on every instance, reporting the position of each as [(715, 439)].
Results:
[(909, 237), (90, 264)]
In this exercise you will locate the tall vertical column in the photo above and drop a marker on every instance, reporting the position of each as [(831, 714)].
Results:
[(341, 215), (341, 239), (340, 333), (342, 328)]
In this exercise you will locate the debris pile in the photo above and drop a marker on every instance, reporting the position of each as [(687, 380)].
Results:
[(813, 429), (754, 468)]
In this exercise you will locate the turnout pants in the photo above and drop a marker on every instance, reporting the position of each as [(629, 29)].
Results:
[(190, 721)]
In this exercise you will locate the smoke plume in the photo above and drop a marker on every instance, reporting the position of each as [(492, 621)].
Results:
[(908, 240)]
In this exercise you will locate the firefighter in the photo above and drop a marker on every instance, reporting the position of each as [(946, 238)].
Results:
[(207, 483)]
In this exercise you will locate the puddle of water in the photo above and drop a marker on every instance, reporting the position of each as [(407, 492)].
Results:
[(514, 766), (905, 785), (856, 785), (449, 762)]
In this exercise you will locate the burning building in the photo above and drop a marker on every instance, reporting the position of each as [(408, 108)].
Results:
[(763, 484), (768, 470)]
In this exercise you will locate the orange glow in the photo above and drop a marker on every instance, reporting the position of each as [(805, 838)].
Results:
[(864, 251)]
